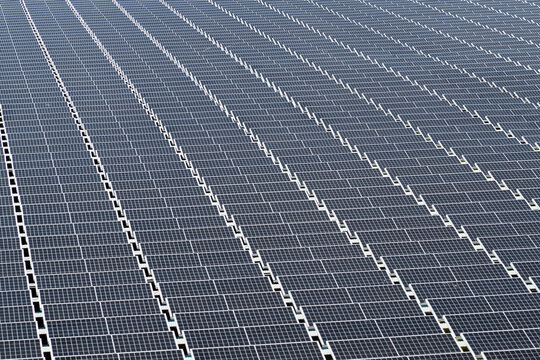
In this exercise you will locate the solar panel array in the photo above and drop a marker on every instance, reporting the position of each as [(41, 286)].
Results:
[(270, 179)]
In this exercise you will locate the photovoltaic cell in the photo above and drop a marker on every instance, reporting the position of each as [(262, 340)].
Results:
[(269, 179)]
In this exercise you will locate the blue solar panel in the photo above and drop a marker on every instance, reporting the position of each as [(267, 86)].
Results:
[(269, 179)]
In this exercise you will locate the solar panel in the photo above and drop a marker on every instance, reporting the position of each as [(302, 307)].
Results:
[(269, 179)]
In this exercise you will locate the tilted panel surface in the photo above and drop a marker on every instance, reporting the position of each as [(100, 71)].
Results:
[(267, 179)]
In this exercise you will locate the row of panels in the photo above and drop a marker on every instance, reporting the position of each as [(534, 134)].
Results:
[(204, 272), (491, 199)]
